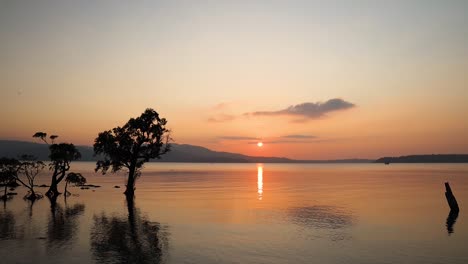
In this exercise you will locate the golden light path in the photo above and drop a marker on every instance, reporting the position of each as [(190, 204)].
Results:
[(260, 181)]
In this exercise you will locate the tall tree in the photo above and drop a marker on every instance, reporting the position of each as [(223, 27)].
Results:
[(61, 155), (129, 147)]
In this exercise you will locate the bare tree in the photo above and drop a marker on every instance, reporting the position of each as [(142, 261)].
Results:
[(28, 170)]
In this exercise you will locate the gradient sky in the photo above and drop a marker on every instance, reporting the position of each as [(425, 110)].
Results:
[(312, 79)]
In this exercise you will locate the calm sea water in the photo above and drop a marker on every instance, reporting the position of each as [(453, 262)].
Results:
[(246, 213)]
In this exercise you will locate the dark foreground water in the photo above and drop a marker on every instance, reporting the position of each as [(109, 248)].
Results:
[(246, 213)]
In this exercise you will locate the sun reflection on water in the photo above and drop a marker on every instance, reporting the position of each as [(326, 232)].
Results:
[(260, 181)]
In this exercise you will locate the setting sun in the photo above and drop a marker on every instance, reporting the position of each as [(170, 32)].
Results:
[(260, 144)]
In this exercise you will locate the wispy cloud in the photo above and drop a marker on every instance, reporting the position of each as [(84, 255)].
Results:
[(237, 138), (221, 118), (221, 106), (287, 139), (279, 141), (309, 110), (219, 114), (295, 136)]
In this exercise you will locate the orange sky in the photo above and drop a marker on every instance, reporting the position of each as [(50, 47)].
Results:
[(358, 82)]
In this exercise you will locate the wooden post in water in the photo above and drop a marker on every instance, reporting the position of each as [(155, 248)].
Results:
[(452, 202)]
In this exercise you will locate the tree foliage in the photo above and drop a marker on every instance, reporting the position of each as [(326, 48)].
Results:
[(62, 155), (8, 170), (42, 136), (74, 178), (8, 173)]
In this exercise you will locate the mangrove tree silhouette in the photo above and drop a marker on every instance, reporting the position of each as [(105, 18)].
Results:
[(129, 147), (61, 155)]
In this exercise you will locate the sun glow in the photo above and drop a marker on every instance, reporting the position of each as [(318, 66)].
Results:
[(259, 144)]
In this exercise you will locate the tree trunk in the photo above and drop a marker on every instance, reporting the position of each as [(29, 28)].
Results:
[(130, 190), (4, 197), (53, 190), (33, 195), (66, 184), (53, 205)]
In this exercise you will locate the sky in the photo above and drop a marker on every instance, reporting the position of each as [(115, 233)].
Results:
[(310, 79)]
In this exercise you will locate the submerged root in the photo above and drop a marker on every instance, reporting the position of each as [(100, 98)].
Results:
[(53, 195), (5, 197), (32, 197)]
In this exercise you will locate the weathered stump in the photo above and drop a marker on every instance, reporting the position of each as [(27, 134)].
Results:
[(452, 202)]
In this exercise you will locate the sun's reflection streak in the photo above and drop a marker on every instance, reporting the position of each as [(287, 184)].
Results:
[(260, 181)]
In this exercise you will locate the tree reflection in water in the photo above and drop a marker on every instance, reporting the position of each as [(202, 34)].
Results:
[(131, 239), (8, 227), (63, 224)]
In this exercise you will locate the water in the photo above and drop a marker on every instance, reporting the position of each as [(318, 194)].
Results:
[(246, 213)]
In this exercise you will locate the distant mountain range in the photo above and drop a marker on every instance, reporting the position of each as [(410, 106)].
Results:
[(191, 153), (178, 153)]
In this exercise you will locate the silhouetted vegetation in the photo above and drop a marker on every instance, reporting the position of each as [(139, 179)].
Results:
[(439, 158), (129, 147), (29, 169), (61, 155), (24, 172), (74, 178), (8, 174)]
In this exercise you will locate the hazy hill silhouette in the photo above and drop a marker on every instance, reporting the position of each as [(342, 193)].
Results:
[(178, 153), (434, 158), (191, 153)]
